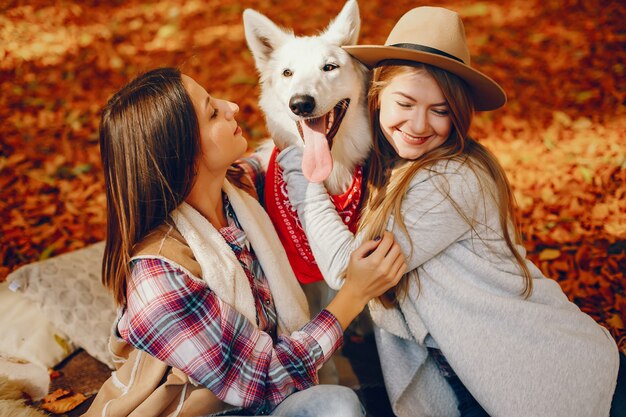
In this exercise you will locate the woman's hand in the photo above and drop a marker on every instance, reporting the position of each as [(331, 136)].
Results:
[(374, 268)]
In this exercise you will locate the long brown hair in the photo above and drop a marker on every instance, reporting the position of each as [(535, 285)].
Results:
[(389, 176), (149, 142)]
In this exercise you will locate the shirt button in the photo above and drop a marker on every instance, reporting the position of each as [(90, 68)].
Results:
[(267, 302)]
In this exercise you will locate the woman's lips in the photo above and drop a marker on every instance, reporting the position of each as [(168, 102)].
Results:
[(413, 140)]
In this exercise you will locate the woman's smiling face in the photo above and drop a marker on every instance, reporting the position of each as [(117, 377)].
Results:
[(414, 114)]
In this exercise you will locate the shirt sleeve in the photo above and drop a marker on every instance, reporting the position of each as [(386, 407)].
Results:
[(180, 321), (253, 168), (431, 211)]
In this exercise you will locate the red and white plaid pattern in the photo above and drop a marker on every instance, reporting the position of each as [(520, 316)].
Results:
[(180, 321), (238, 242)]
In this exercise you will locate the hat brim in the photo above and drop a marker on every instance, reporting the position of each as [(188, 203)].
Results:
[(487, 94)]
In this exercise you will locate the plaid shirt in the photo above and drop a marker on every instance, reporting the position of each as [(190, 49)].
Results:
[(180, 321), (238, 242)]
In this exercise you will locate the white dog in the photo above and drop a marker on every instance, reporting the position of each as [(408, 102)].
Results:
[(313, 95)]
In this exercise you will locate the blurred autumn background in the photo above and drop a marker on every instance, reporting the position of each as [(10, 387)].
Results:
[(561, 137)]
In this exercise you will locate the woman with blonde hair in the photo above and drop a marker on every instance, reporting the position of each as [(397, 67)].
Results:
[(474, 328), (212, 320)]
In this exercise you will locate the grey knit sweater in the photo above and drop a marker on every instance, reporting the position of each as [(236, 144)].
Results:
[(539, 356)]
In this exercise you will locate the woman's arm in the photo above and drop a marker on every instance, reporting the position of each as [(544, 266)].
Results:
[(431, 218), (330, 239), (373, 268), (180, 321)]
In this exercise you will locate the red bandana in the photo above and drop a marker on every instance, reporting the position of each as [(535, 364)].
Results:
[(288, 225)]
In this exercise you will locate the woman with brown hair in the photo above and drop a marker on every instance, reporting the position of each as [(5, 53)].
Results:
[(212, 320), (474, 328)]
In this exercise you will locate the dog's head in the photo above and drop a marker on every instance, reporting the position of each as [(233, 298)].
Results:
[(308, 84)]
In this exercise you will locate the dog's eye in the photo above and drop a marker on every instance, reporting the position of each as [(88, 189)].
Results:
[(329, 67), (287, 73)]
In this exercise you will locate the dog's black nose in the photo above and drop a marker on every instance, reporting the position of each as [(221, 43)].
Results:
[(302, 105)]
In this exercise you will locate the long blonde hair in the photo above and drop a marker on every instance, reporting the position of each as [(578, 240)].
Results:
[(149, 143), (389, 176)]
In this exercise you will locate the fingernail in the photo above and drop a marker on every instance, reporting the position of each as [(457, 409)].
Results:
[(377, 238)]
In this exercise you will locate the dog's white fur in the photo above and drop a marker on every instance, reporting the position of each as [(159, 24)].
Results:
[(276, 49)]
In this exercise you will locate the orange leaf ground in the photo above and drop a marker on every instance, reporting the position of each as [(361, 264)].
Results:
[(561, 137)]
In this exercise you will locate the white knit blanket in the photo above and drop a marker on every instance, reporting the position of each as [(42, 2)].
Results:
[(222, 271)]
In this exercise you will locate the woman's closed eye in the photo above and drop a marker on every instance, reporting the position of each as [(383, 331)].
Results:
[(404, 104), (215, 113), (441, 112)]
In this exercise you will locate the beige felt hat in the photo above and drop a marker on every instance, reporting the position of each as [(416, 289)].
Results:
[(434, 36)]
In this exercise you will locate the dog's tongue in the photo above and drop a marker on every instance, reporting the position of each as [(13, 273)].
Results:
[(317, 163)]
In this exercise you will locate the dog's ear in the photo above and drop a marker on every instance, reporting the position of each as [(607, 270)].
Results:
[(263, 36), (344, 30)]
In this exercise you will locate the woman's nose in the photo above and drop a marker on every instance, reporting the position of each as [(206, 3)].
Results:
[(419, 122), (233, 109)]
